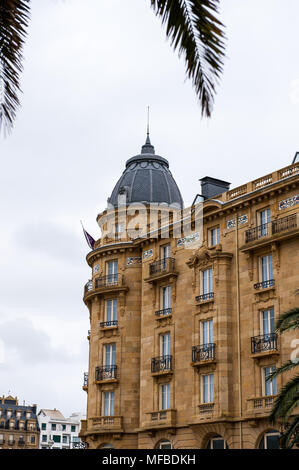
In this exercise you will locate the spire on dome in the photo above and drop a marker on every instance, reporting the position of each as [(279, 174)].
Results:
[(148, 147)]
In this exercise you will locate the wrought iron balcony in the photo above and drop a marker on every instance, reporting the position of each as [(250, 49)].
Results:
[(265, 284), (88, 286), (162, 266), (21, 442), (203, 297), (105, 281), (264, 343), (105, 373), (161, 364), (163, 312), (108, 324), (271, 228), (203, 352)]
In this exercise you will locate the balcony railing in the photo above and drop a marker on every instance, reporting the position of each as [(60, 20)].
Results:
[(105, 281), (203, 352), (85, 379), (206, 408), (107, 422), (263, 343), (162, 266), (160, 418), (265, 284), (163, 312), (108, 324), (271, 228), (161, 364), (21, 442), (203, 297), (105, 373), (260, 404)]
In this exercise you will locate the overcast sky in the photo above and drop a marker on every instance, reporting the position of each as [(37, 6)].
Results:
[(91, 69)]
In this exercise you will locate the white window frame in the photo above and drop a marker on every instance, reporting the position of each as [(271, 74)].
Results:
[(206, 287), (264, 438), (269, 268), (210, 331), (112, 270), (210, 398), (262, 324), (165, 392), (111, 403), (216, 231), (165, 297), (111, 355), (218, 438), (274, 381), (165, 251), (165, 344), (113, 312)]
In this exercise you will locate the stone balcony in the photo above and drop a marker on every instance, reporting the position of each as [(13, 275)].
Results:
[(260, 405), (160, 419), (106, 424)]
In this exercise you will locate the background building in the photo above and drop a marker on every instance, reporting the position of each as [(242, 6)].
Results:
[(18, 425), (182, 335), (58, 432)]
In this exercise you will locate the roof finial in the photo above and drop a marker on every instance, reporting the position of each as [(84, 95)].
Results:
[(148, 147), (148, 120)]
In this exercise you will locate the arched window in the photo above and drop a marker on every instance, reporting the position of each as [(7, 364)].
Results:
[(217, 442), (165, 444), (107, 446), (270, 440)]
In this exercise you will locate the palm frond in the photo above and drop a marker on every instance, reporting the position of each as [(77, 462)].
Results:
[(288, 320), (287, 400), (14, 15), (195, 31), (287, 366), (291, 436)]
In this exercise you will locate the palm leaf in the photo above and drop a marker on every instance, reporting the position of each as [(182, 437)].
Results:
[(14, 16), (287, 400), (289, 365), (288, 321), (291, 435), (195, 31)]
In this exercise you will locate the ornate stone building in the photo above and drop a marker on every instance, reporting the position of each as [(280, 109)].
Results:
[(18, 425), (182, 333)]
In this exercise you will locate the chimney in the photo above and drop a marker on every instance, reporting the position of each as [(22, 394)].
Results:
[(211, 187)]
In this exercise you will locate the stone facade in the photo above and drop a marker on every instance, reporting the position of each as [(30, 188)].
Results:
[(166, 382)]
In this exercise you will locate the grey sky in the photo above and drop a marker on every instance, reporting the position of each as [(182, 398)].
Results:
[(92, 67)]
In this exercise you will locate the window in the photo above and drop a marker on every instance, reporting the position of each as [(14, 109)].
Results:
[(10, 439), (1, 438), (64, 439), (44, 426), (165, 251), (264, 217), (112, 270), (269, 386), (267, 321), (270, 440), (217, 442), (44, 437), (207, 388), (53, 427), (56, 438), (165, 344), (111, 310), (119, 228), (214, 236), (109, 355), (63, 427), (166, 299), (18, 414), (32, 439), (207, 332), (108, 403), (73, 428), (165, 396), (28, 414), (266, 269), (207, 281), (8, 414), (164, 445)]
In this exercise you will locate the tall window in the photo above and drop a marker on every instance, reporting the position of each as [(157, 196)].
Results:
[(166, 298), (112, 270), (214, 236), (165, 344), (111, 311), (267, 321), (208, 388), (267, 269), (207, 281), (44, 426), (269, 386), (109, 355), (165, 396), (207, 332), (165, 251), (108, 403), (264, 217), (270, 440)]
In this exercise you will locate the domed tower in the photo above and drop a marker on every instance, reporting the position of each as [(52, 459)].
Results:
[(114, 297), (147, 179)]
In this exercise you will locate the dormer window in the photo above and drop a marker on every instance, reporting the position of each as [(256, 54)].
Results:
[(8, 414), (28, 414), (18, 414)]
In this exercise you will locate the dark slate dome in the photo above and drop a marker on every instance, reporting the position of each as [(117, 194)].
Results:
[(147, 179)]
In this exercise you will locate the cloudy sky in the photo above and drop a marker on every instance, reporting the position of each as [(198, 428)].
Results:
[(91, 69)]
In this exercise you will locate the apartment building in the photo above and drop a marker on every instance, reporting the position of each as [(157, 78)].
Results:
[(58, 432)]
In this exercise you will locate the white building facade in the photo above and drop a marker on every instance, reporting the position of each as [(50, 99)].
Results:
[(58, 432)]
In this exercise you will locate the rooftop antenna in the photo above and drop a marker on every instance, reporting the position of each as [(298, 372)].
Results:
[(148, 120)]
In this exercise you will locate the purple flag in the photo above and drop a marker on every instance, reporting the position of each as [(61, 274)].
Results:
[(89, 239)]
